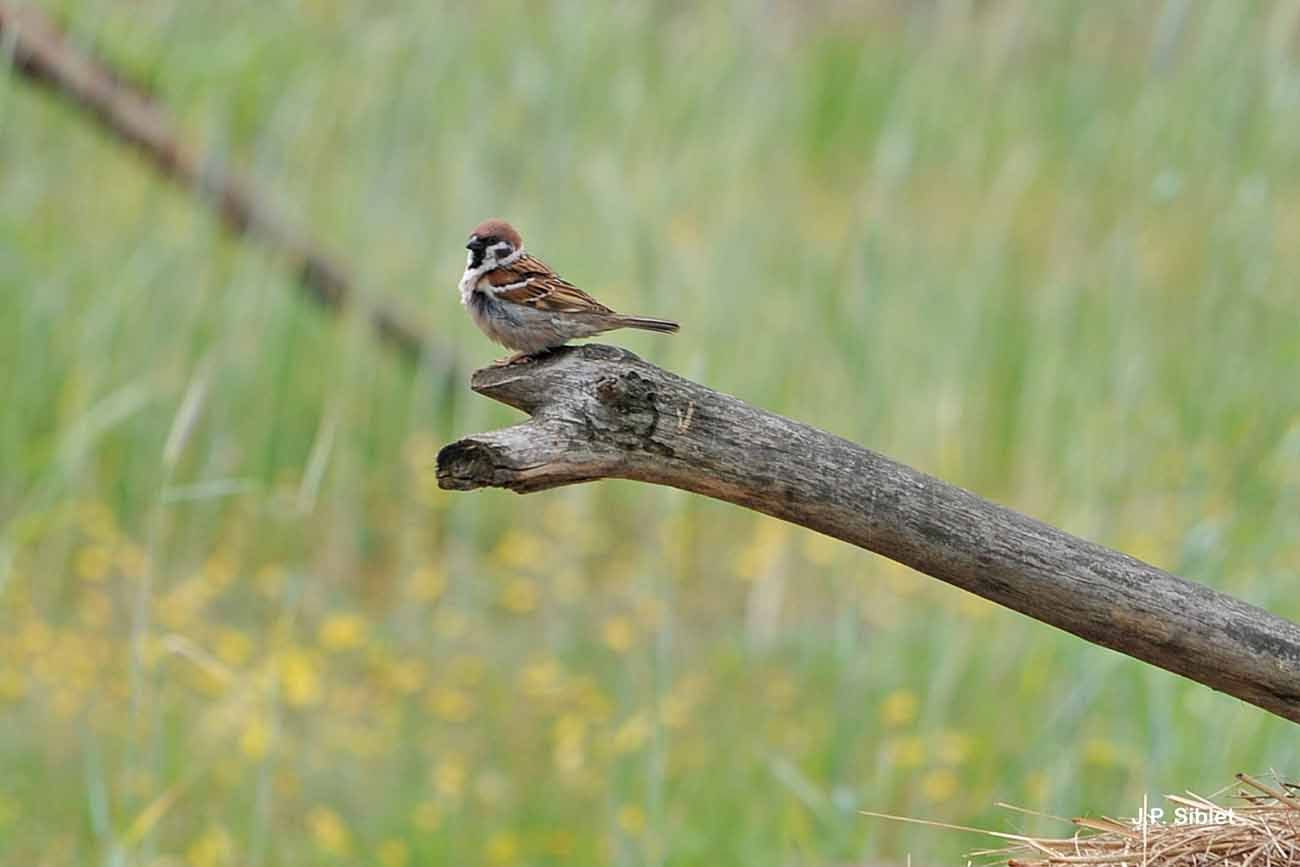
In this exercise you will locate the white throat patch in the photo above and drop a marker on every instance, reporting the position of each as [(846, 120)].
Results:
[(469, 280)]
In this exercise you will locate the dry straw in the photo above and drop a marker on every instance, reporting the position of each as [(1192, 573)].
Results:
[(1260, 829)]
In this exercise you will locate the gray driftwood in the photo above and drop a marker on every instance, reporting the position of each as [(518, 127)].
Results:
[(601, 412)]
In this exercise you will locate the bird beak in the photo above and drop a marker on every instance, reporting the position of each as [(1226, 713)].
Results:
[(474, 243)]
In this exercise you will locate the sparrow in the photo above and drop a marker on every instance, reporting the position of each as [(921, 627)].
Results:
[(520, 302)]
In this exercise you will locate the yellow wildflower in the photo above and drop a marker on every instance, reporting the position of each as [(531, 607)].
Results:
[(631, 819), (453, 705), (221, 568), (342, 632), (329, 831), (407, 675), (427, 584), (632, 734), (541, 679), (954, 747), (939, 785), (1099, 751), (255, 741), (591, 702), (97, 520), (907, 752), (619, 634), (899, 708), (12, 685), (675, 711), (213, 848), (502, 848), (570, 734), (449, 777), (94, 562), (233, 647), (520, 550), (35, 638), (301, 677), (520, 595), (394, 853)]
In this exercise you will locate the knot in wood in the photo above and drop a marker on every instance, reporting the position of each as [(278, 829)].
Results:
[(631, 405)]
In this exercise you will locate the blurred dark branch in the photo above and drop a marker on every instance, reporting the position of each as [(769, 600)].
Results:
[(44, 54), (600, 412)]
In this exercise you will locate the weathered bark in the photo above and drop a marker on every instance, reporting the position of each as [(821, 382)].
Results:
[(43, 54), (600, 412)]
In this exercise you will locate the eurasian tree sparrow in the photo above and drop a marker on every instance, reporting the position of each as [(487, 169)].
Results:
[(518, 301)]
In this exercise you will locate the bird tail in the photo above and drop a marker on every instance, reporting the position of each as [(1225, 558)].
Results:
[(647, 323)]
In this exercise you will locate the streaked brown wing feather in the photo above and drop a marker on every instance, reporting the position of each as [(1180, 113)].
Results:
[(542, 288)]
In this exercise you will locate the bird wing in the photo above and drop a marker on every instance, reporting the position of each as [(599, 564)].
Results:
[(531, 282)]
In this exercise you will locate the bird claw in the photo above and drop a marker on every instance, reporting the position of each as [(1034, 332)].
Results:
[(517, 358)]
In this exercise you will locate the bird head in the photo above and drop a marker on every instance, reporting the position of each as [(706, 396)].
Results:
[(492, 242)]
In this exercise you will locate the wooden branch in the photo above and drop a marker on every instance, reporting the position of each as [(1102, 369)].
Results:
[(42, 53), (601, 412)]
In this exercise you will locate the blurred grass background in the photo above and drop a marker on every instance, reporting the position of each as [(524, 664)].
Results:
[(1046, 250)]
